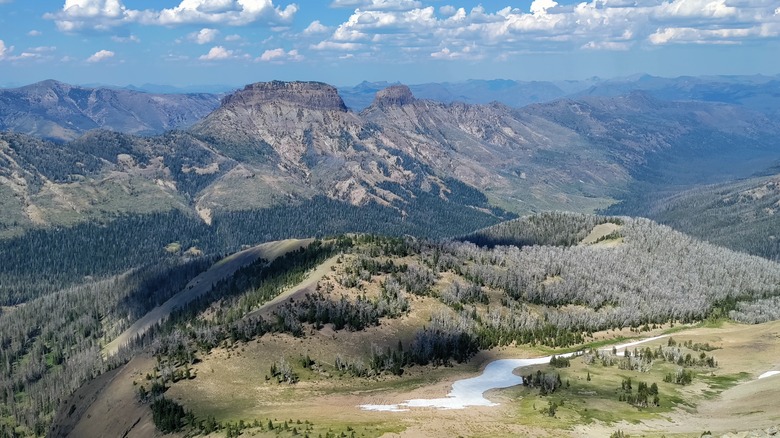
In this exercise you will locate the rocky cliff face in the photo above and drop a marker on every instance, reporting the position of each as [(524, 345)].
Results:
[(304, 129), (394, 95), (309, 95)]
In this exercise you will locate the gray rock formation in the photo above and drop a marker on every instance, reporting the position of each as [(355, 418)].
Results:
[(311, 95), (394, 95)]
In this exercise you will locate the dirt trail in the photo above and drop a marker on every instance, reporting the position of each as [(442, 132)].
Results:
[(201, 284), (306, 285)]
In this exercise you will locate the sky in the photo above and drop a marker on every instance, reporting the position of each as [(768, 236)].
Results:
[(343, 42)]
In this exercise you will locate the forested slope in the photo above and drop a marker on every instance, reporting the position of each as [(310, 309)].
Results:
[(742, 215), (535, 283)]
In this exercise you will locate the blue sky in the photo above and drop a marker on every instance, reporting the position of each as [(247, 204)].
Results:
[(233, 42)]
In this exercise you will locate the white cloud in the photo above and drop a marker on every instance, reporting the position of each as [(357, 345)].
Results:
[(225, 12), (330, 45), (102, 15), (448, 10), (217, 53), (26, 56), (34, 33), (539, 7), (606, 45), (4, 50), (233, 37), (468, 52), (316, 28), (125, 39), (204, 36), (383, 26), (101, 55), (377, 5), (279, 55), (33, 53), (699, 36), (696, 8)]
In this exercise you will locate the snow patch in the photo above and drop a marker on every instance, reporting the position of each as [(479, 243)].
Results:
[(470, 392)]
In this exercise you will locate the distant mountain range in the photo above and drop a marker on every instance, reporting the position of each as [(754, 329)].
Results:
[(758, 92), (282, 143), (512, 93), (58, 111)]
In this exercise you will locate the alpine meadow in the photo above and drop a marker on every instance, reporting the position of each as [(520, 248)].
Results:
[(389, 218)]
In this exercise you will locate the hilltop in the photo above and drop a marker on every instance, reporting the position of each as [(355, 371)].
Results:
[(389, 319)]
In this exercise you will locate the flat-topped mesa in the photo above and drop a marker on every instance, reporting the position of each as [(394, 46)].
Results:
[(394, 95), (311, 95)]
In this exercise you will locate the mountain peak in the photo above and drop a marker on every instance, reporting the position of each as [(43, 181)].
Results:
[(311, 95), (394, 95), (48, 84)]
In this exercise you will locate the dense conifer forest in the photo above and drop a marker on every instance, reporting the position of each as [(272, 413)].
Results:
[(128, 241)]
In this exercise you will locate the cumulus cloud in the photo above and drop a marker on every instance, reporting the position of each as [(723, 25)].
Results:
[(4, 51), (316, 28), (217, 53), (469, 53), (204, 36), (330, 45), (125, 39), (377, 5), (279, 55), (233, 37), (34, 33), (606, 45), (547, 25), (540, 7), (448, 10), (100, 56), (77, 15)]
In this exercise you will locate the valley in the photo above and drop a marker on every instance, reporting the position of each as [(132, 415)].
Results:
[(276, 259)]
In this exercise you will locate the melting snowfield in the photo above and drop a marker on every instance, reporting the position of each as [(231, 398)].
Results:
[(469, 392)]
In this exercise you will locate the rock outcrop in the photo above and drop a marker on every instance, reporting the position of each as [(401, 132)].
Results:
[(310, 95), (394, 95)]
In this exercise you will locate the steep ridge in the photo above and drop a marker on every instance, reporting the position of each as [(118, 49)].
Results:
[(62, 112), (521, 161), (742, 214), (279, 144), (305, 130)]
